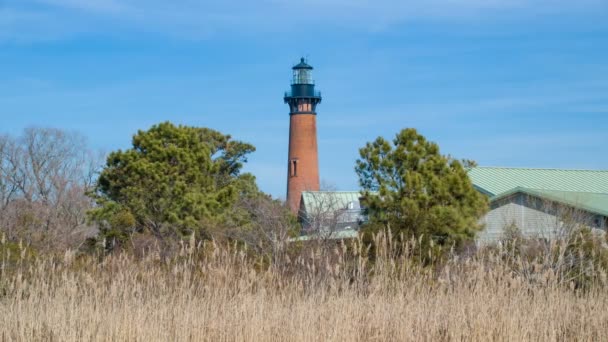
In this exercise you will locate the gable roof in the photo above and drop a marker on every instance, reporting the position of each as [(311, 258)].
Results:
[(497, 180), (329, 200), (596, 203)]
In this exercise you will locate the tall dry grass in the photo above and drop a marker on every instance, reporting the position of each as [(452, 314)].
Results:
[(212, 293)]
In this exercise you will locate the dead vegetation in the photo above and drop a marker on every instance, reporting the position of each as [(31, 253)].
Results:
[(216, 293)]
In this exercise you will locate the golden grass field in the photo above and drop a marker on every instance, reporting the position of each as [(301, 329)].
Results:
[(216, 294)]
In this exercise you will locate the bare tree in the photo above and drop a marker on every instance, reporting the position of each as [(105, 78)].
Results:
[(328, 212), (561, 238), (44, 176), (10, 178), (270, 226), (543, 218)]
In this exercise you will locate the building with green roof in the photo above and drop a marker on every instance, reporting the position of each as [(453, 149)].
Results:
[(541, 202), (330, 214)]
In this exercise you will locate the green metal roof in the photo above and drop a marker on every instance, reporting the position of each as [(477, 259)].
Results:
[(497, 180), (596, 203), (328, 201), (331, 200)]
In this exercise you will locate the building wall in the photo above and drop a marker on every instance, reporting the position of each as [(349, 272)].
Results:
[(534, 217)]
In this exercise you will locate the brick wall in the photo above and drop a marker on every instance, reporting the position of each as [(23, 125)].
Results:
[(303, 162)]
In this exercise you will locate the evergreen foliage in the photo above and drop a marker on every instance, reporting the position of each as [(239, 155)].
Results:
[(415, 192), (173, 181)]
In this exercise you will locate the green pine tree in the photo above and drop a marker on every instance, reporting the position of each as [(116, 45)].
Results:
[(172, 182), (415, 192)]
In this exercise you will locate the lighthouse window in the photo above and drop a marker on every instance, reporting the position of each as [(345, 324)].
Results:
[(304, 106), (302, 76), (294, 168)]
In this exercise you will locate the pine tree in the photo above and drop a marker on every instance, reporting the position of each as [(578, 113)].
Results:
[(415, 192), (172, 182)]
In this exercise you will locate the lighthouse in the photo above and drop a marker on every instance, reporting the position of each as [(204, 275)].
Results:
[(302, 160)]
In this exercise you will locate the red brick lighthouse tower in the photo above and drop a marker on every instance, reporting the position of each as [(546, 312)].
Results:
[(303, 161)]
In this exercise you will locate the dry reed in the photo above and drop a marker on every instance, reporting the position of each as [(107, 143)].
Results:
[(219, 294)]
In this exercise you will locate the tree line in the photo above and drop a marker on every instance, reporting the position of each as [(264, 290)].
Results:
[(177, 183)]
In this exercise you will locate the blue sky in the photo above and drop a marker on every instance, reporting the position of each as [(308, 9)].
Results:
[(505, 83)]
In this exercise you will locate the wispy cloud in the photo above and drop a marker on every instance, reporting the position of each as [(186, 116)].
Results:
[(197, 18), (106, 6)]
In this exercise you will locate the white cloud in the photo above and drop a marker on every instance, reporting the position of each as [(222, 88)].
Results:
[(199, 18)]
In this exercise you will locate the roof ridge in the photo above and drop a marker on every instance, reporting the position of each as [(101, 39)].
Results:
[(557, 190), (537, 168)]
